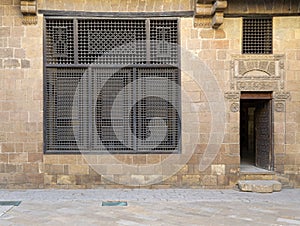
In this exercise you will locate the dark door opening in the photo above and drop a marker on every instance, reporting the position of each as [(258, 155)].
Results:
[(256, 130)]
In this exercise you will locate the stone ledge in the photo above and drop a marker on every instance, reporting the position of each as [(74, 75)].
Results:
[(259, 186)]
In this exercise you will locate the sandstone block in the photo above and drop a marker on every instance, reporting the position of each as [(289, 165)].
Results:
[(25, 63), (218, 169), (66, 179), (207, 33), (219, 34), (139, 159), (190, 180), (11, 63), (18, 157), (6, 52), (153, 159), (209, 180), (54, 169), (8, 147), (30, 168), (78, 169), (4, 31), (220, 44), (50, 179), (260, 186)]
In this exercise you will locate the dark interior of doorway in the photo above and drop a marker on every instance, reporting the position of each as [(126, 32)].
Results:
[(248, 136)]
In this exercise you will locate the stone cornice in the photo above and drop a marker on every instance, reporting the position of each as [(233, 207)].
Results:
[(212, 11)]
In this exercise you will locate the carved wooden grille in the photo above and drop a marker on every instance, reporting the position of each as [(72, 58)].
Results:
[(111, 41), (59, 41), (163, 41), (257, 35), (85, 107)]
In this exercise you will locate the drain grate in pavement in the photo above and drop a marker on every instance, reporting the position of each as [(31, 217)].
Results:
[(114, 203), (10, 203)]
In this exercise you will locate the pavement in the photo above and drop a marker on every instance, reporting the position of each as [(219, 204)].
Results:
[(150, 207)]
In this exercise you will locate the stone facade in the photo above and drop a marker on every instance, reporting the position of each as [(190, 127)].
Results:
[(24, 165)]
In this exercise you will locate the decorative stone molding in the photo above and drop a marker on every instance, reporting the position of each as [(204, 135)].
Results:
[(232, 96), (282, 95), (280, 99), (256, 85), (279, 106), (258, 73), (28, 9), (209, 13), (235, 107)]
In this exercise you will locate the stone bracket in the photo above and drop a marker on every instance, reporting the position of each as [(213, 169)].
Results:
[(29, 11), (210, 12)]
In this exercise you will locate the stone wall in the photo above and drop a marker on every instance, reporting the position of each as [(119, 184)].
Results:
[(23, 164), (118, 5), (21, 100), (287, 124)]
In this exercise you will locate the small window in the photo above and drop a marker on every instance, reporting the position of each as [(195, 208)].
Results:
[(257, 36)]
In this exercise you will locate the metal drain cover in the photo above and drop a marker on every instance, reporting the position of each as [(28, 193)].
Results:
[(10, 203), (114, 203)]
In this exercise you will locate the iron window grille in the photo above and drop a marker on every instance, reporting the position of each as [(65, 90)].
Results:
[(257, 36), (88, 62)]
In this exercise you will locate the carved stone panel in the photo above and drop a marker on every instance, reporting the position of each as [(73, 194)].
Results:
[(246, 67), (281, 95), (279, 106), (232, 96), (235, 107), (258, 73), (256, 85)]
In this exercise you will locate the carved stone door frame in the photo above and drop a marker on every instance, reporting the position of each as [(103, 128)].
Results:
[(259, 73), (256, 130)]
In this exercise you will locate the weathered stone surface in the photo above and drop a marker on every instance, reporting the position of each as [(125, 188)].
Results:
[(66, 179), (260, 186)]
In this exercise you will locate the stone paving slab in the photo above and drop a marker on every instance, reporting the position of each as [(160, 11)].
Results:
[(152, 207)]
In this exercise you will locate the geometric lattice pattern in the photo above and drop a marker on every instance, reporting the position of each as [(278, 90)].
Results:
[(257, 35), (95, 104), (111, 41), (59, 41), (164, 39), (62, 120)]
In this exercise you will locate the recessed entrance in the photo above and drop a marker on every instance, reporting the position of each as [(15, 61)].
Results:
[(256, 129)]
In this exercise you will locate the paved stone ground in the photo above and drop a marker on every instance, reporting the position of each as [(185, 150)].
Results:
[(150, 207)]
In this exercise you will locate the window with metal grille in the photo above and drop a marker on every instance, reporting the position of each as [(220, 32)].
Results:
[(257, 36), (111, 85)]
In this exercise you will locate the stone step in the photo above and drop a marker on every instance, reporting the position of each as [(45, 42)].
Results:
[(251, 172), (260, 186), (257, 176)]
